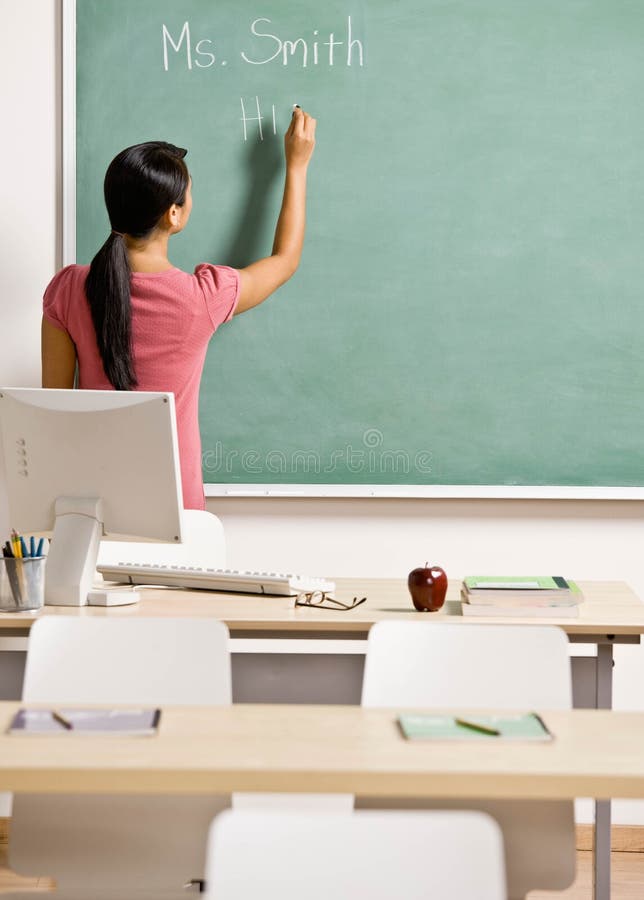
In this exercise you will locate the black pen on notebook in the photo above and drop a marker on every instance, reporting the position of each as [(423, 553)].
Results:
[(62, 720), (476, 726)]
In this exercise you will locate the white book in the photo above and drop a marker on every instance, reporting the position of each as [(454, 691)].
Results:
[(76, 720), (529, 589)]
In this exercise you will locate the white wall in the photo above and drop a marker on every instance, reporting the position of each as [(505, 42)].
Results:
[(28, 186), (582, 540)]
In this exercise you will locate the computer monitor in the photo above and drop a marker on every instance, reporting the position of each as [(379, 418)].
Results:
[(83, 464)]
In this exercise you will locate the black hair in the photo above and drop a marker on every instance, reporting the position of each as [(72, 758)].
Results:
[(141, 184)]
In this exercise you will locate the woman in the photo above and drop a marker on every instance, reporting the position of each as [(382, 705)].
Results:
[(131, 320)]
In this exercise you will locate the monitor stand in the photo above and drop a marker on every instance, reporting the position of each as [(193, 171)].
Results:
[(71, 563)]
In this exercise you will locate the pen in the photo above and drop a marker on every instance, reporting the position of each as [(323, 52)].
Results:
[(41, 544), (14, 578), (32, 546), (476, 726), (23, 548), (61, 720)]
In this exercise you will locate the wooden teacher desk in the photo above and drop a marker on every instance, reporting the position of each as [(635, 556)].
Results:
[(282, 653)]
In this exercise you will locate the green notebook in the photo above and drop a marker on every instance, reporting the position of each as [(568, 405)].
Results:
[(522, 727), (531, 583)]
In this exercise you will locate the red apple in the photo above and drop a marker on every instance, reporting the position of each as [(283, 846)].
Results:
[(427, 587)]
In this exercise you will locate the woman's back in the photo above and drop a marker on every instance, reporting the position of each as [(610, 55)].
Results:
[(174, 315), (132, 321)]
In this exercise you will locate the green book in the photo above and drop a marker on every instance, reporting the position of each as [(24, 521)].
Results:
[(516, 583), (474, 727), (537, 590)]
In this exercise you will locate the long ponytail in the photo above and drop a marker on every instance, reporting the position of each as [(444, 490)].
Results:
[(141, 184), (108, 291)]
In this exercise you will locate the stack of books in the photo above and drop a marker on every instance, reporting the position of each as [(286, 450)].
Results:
[(550, 596)]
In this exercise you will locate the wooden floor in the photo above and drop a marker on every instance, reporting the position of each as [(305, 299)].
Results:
[(627, 878)]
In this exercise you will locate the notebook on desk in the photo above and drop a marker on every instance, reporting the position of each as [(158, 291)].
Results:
[(70, 721), (474, 727)]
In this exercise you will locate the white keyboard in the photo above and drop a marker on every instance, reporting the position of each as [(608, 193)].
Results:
[(227, 580)]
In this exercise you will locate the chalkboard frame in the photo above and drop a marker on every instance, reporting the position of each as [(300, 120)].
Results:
[(303, 490)]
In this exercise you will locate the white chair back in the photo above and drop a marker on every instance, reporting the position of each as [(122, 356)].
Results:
[(378, 856), (469, 666), (203, 546), (96, 659), (109, 846), (430, 664)]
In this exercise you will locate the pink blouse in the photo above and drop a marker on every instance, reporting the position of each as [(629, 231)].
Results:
[(174, 315)]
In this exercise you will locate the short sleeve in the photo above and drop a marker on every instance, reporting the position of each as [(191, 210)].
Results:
[(220, 288), (57, 297)]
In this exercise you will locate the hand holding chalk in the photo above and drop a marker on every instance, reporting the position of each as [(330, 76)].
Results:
[(299, 139)]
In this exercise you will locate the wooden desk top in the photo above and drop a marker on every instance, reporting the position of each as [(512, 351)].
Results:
[(610, 607), (321, 749)]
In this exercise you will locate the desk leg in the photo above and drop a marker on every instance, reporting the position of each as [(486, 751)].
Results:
[(601, 861)]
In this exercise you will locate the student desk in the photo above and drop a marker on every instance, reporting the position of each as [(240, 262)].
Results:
[(281, 653), (330, 749)]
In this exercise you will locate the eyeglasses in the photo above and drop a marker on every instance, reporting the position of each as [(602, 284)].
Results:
[(321, 600)]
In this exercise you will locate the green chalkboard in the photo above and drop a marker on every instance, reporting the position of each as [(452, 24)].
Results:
[(469, 307)]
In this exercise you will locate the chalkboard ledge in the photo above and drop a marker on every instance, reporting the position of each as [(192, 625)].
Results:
[(438, 491)]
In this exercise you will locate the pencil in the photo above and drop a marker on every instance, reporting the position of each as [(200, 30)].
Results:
[(62, 720), (476, 726)]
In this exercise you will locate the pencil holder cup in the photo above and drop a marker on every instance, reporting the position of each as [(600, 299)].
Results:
[(22, 584)]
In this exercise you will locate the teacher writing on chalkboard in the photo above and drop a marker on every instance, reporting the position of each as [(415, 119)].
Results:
[(131, 320)]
